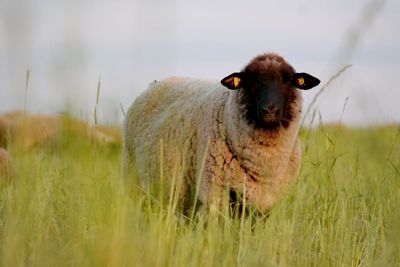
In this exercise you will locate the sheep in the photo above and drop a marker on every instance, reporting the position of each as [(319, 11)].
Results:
[(6, 166), (243, 140), (27, 131)]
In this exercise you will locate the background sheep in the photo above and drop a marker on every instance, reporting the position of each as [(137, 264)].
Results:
[(6, 166), (27, 131), (244, 140)]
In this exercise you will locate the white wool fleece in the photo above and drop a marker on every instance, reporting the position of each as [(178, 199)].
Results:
[(206, 141)]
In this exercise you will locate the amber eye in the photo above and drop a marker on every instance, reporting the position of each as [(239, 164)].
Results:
[(300, 81)]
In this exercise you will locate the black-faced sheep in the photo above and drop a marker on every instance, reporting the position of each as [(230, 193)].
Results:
[(243, 140)]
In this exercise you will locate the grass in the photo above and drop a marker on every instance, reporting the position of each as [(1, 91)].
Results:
[(66, 208)]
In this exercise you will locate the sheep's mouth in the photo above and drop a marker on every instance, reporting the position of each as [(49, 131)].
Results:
[(270, 121)]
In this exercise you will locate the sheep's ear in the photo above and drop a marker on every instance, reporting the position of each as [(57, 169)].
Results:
[(304, 81), (233, 81)]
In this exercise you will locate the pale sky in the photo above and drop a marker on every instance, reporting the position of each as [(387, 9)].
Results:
[(67, 45)]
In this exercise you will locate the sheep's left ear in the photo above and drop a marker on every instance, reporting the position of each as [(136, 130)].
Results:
[(304, 81), (233, 81)]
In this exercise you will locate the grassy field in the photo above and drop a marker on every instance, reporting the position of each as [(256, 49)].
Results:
[(66, 208)]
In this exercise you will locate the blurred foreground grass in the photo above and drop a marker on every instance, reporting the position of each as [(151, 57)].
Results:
[(66, 208)]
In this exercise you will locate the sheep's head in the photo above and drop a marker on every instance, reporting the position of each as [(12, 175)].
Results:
[(267, 90)]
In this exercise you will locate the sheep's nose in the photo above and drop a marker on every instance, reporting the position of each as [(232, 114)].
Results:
[(269, 109)]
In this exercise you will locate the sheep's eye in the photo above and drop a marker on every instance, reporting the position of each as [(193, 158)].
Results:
[(285, 77)]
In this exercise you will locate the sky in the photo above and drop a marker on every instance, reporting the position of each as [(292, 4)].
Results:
[(71, 48)]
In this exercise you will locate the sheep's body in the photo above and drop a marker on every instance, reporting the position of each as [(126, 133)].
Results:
[(6, 166), (27, 131), (204, 136)]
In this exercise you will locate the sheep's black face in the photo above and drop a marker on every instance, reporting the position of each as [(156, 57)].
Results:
[(268, 91), (265, 102)]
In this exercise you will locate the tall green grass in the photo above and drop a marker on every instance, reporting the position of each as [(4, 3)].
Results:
[(66, 208)]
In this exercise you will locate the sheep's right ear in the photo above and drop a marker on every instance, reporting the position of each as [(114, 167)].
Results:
[(304, 81), (233, 81)]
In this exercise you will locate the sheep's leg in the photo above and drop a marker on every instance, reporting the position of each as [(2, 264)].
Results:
[(258, 195), (214, 194)]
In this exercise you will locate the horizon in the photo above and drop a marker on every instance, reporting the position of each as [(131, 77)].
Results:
[(128, 44)]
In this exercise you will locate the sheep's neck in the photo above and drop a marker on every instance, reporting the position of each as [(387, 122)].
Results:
[(264, 155)]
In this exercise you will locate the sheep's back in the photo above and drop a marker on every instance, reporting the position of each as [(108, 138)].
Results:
[(169, 116)]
